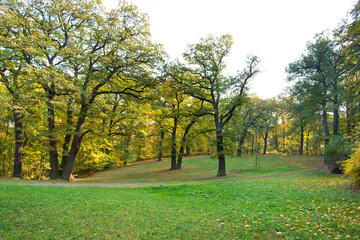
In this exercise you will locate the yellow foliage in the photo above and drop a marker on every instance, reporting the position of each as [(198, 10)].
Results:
[(352, 166)]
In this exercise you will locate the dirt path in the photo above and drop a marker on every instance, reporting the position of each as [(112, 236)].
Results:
[(163, 184)]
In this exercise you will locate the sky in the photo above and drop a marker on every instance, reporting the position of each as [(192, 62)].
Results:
[(276, 31)]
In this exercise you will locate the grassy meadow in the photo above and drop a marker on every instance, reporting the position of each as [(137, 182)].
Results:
[(297, 205), (204, 168)]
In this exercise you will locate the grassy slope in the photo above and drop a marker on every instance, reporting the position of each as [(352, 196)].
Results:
[(204, 168)]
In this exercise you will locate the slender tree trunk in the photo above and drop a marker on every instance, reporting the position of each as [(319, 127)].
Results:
[(173, 145), (307, 142), (181, 154), (54, 168), (265, 142), (275, 136), (336, 118), (326, 127), (162, 135), (253, 144), (283, 138), (240, 145), (183, 143), (301, 148), (19, 143), (336, 109), (348, 118)]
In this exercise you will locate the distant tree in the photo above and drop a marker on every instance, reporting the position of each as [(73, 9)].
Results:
[(302, 111), (203, 79), (246, 118)]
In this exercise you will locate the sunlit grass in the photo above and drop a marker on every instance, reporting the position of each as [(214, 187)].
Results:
[(310, 206), (205, 168)]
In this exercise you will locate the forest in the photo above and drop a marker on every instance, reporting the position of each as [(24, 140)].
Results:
[(84, 89)]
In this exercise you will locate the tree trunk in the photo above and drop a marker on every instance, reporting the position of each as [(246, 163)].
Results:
[(162, 135), (265, 142), (307, 142), (336, 109), (240, 145), (173, 145), (54, 168), (183, 143), (326, 127), (220, 152), (336, 121), (301, 148), (283, 142), (19, 143), (67, 140), (275, 136), (76, 143), (252, 145)]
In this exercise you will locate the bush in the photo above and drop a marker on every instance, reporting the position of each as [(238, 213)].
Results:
[(352, 166), (337, 151)]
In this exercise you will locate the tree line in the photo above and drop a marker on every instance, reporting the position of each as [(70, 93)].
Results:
[(84, 89)]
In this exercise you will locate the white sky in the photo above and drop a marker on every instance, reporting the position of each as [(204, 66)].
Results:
[(274, 30)]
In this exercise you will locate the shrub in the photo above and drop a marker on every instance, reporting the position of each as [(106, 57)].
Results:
[(337, 151), (352, 166)]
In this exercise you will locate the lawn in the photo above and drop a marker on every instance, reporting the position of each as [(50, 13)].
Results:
[(303, 206), (204, 168)]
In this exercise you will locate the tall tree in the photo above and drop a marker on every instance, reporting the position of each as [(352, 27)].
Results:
[(42, 31), (204, 79), (115, 56), (319, 72), (349, 36), (12, 69)]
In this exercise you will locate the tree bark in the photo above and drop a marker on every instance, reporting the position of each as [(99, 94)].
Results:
[(67, 139), (301, 147), (220, 152), (183, 143), (326, 127), (275, 136), (241, 143), (265, 142), (76, 143), (173, 145), (54, 168), (307, 142), (336, 112), (19, 143), (162, 135)]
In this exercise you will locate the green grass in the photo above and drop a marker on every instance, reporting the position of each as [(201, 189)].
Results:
[(204, 168), (196, 169), (296, 206), (309, 206)]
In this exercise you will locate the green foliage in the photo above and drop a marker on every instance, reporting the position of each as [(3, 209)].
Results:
[(338, 150), (352, 166)]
